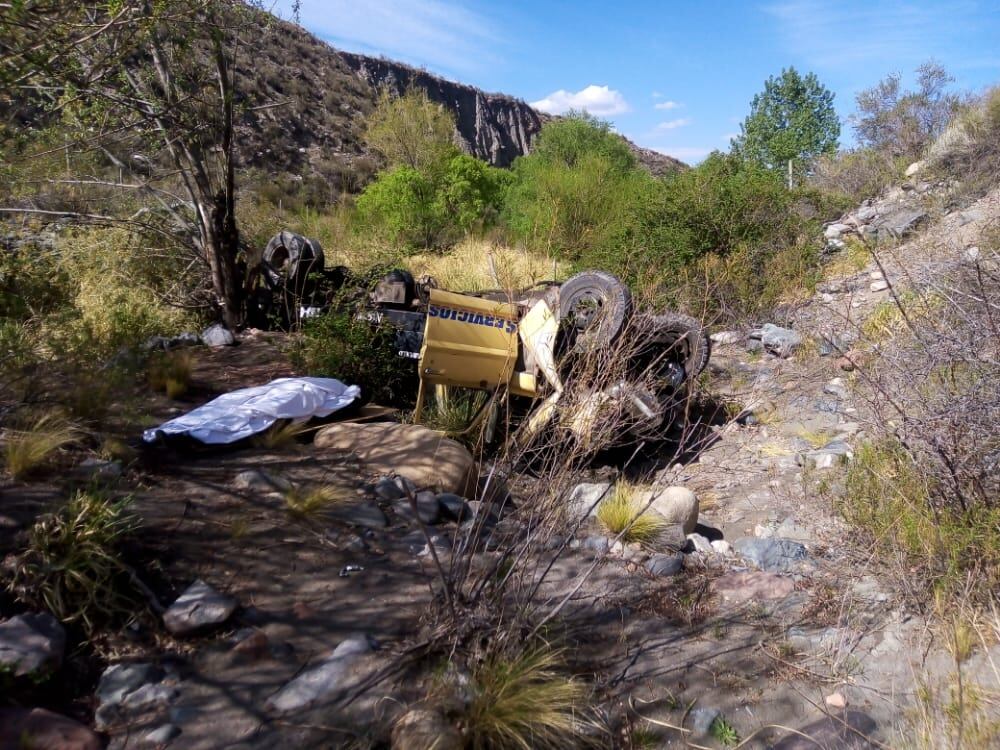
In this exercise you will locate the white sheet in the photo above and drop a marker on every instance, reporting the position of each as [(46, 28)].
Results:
[(239, 414)]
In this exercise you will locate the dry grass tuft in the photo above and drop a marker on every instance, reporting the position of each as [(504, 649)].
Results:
[(170, 373), (27, 450), (308, 502), (281, 436), (624, 513), (524, 701)]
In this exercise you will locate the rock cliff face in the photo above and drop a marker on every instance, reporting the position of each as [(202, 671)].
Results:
[(494, 127)]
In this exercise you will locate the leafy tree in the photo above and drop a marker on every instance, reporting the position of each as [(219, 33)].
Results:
[(574, 190), (411, 130), (901, 122), (155, 79), (792, 119), (433, 208)]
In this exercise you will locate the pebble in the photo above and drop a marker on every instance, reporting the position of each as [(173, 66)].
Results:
[(879, 286), (199, 607), (836, 700)]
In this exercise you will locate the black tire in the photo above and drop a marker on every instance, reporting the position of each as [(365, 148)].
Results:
[(595, 306), (289, 257), (684, 335)]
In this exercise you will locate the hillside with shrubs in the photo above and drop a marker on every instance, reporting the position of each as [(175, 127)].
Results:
[(809, 554)]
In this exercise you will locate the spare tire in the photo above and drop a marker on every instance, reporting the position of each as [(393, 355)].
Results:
[(685, 337), (594, 306), (290, 257)]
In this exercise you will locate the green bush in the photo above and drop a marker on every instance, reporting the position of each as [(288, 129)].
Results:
[(356, 352)]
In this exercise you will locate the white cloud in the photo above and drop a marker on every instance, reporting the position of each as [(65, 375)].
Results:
[(597, 100), (667, 105), (680, 122), (656, 95), (439, 34)]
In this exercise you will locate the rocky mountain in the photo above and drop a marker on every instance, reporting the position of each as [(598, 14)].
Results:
[(307, 102)]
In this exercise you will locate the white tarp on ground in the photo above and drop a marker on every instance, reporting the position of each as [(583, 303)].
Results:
[(234, 416)]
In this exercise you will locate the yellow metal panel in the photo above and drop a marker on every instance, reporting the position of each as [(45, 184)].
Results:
[(468, 341)]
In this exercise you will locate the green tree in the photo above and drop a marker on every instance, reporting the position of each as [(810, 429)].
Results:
[(411, 130), (793, 119)]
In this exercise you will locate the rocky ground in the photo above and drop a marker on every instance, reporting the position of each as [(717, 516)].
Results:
[(280, 624)]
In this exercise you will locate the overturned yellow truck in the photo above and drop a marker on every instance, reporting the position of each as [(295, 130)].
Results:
[(572, 357), (575, 355)]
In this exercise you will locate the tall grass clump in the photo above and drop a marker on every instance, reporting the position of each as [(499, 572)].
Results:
[(523, 701), (624, 514), (73, 564), (29, 449), (170, 372)]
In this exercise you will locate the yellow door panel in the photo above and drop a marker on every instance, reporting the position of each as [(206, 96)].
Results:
[(468, 341)]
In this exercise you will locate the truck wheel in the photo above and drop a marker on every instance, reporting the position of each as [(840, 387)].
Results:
[(595, 306), (686, 337), (290, 257)]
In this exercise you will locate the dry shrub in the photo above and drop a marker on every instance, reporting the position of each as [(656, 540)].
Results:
[(73, 564), (969, 150), (927, 491), (858, 174), (29, 449), (281, 436), (308, 502)]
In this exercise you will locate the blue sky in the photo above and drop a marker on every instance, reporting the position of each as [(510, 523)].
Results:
[(677, 77)]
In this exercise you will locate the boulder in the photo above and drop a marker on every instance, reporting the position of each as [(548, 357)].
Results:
[(453, 507), (422, 729), (701, 544), (670, 539), (678, 505), (914, 169), (723, 338), (362, 514), (198, 608), (261, 481), (31, 644), (834, 231), (782, 342), (40, 729), (425, 457), (217, 335), (880, 285)]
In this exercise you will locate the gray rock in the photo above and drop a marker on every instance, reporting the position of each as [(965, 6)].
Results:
[(405, 485), (914, 169), (453, 507), (387, 490), (771, 554), (99, 469), (900, 222), (148, 695), (31, 644), (779, 341), (217, 335), (834, 231), (427, 509), (844, 731), (836, 388), (865, 213), (678, 505), (261, 481), (670, 539), (665, 565), (162, 734), (118, 680), (879, 286), (584, 499), (324, 680), (702, 719), (199, 607), (789, 529), (969, 216)]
